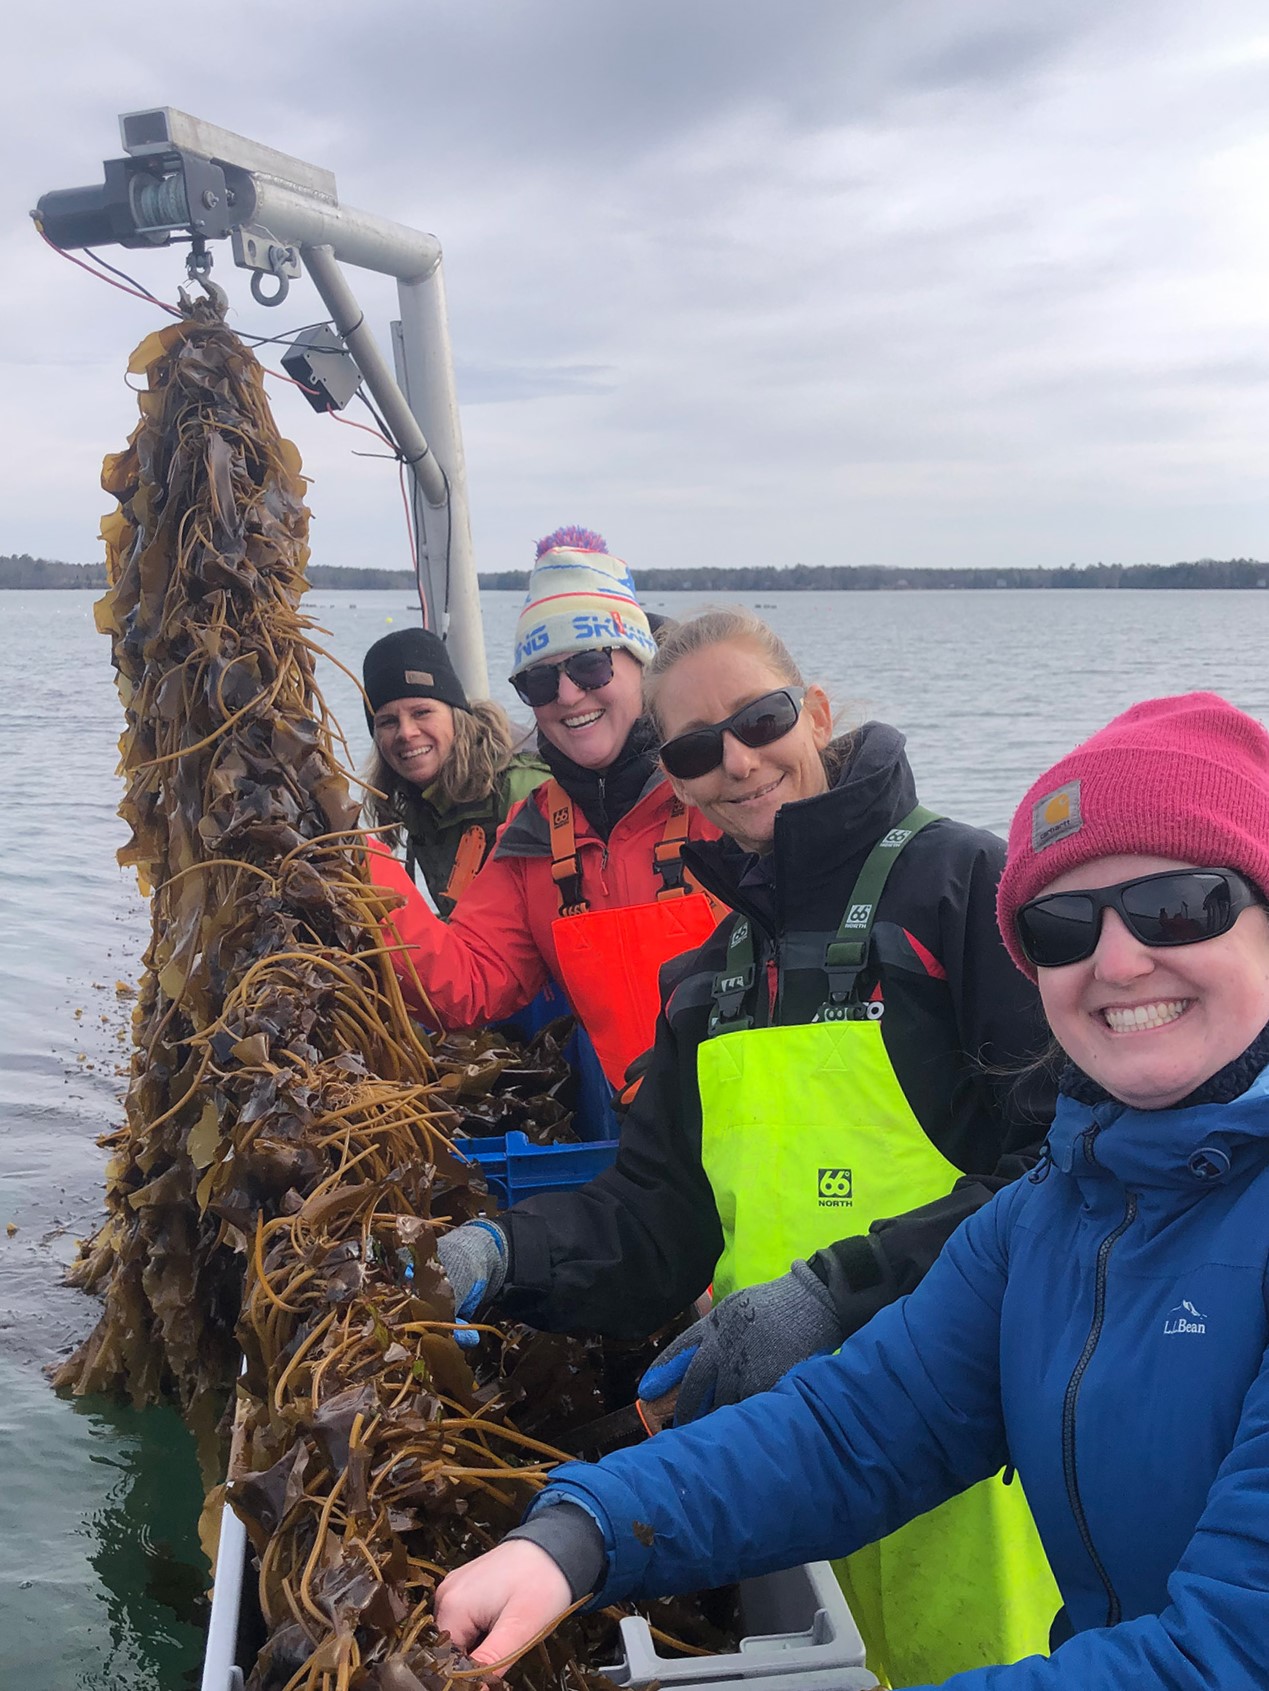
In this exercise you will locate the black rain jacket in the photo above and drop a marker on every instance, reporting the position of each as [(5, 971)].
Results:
[(962, 1027)]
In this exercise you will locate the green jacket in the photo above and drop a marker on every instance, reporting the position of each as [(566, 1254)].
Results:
[(432, 829)]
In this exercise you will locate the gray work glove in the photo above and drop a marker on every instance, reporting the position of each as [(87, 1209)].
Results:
[(746, 1344), (474, 1257)]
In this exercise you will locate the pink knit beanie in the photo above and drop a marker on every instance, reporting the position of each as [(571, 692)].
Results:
[(1186, 777)]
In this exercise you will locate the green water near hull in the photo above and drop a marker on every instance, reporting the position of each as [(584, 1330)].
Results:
[(102, 1581)]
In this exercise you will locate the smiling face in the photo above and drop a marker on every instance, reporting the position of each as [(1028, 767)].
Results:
[(744, 793), (1149, 1023), (414, 737), (591, 728)]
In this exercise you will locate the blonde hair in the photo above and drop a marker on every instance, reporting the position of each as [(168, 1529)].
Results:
[(718, 626), (726, 625), (484, 744)]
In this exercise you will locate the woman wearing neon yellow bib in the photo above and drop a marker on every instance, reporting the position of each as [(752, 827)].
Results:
[(834, 1079), (1103, 1323)]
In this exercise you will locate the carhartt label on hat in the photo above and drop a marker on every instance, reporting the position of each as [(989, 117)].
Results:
[(420, 678), (1055, 816)]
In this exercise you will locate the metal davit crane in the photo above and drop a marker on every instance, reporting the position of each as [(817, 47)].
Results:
[(183, 180)]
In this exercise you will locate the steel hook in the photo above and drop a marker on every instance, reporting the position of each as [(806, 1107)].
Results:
[(215, 293)]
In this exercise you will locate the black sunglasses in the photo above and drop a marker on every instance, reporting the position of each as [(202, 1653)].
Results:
[(540, 683), (1175, 907), (759, 723)]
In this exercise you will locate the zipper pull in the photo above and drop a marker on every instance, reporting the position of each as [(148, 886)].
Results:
[(1044, 1165)]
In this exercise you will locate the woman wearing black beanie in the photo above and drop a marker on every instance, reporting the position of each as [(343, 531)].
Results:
[(445, 765)]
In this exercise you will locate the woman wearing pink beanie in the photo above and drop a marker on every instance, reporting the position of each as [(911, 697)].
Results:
[(1102, 1324)]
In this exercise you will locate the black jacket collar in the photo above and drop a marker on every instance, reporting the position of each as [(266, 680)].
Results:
[(821, 843)]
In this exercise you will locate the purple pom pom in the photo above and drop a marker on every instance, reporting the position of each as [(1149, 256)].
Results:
[(576, 539)]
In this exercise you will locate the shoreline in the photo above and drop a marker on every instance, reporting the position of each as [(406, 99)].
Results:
[(24, 573)]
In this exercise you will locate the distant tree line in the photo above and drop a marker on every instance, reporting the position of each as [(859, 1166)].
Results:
[(25, 571), (872, 578), (341, 575), (21, 570)]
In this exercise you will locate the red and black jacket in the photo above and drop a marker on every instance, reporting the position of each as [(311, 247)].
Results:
[(962, 1027)]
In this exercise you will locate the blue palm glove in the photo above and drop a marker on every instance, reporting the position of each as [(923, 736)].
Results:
[(746, 1344), (474, 1257)]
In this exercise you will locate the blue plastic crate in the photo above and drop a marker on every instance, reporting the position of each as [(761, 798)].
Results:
[(515, 1168)]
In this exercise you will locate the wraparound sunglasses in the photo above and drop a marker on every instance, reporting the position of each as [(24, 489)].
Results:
[(759, 723), (1174, 907), (540, 683)]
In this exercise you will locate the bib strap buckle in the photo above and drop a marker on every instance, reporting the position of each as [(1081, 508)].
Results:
[(568, 886), (667, 859), (843, 961), (730, 991), (718, 1023)]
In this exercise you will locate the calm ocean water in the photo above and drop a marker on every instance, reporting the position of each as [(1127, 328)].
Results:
[(100, 1572)]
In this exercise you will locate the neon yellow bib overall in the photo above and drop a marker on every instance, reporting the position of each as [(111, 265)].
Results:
[(806, 1139)]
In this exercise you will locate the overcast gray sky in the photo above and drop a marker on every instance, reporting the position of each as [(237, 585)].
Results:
[(734, 281)]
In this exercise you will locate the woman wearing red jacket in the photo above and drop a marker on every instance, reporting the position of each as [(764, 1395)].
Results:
[(585, 885)]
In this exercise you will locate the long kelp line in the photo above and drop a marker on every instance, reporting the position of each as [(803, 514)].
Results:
[(286, 1155)]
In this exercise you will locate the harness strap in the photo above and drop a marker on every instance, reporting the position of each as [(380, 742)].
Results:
[(667, 854), (565, 869), (467, 860), (732, 986), (845, 954)]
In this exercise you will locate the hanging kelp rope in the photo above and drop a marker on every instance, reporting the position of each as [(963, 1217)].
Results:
[(263, 988), (286, 1156)]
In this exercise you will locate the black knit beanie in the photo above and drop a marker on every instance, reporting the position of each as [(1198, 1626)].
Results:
[(412, 663)]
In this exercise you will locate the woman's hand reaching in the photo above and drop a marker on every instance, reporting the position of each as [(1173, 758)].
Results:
[(494, 1606)]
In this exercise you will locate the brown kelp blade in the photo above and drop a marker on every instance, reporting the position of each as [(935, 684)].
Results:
[(287, 1156)]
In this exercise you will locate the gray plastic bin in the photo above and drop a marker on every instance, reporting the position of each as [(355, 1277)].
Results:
[(799, 1636)]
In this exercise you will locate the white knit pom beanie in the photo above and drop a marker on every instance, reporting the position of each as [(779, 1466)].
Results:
[(579, 598)]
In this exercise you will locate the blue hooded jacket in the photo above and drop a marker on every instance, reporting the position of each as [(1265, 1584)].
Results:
[(1103, 1325)]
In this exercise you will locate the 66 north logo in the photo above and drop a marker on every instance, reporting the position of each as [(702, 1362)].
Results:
[(836, 1189)]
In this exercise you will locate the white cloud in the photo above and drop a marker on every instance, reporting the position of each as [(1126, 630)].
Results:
[(741, 280)]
